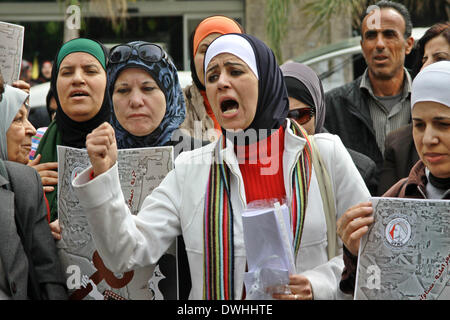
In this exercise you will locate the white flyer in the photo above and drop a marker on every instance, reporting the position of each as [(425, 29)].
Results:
[(269, 251), (11, 47), (406, 253), (140, 171)]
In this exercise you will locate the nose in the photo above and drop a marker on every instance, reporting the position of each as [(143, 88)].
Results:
[(78, 77), (136, 99), (29, 128), (380, 45), (430, 136), (224, 81)]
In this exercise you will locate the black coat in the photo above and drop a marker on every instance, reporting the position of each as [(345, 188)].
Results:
[(348, 116)]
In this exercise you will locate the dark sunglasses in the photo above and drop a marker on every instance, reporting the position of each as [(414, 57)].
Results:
[(302, 115), (148, 52)]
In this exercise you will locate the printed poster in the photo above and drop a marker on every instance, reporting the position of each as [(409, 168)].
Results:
[(406, 253), (11, 47), (140, 171)]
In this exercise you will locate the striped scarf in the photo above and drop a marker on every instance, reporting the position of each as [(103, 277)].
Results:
[(218, 282)]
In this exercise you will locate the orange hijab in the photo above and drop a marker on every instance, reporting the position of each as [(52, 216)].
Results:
[(213, 24)]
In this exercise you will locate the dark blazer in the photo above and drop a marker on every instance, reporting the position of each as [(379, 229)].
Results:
[(400, 156), (27, 249)]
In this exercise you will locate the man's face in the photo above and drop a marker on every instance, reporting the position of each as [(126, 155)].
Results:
[(383, 44)]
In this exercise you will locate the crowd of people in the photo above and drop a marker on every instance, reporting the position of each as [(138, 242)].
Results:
[(247, 131)]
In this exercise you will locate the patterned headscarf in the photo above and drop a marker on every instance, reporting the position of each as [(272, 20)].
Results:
[(165, 74)]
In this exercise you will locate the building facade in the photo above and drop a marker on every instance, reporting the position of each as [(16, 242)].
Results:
[(168, 22)]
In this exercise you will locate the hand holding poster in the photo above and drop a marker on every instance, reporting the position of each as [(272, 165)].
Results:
[(406, 252), (140, 171)]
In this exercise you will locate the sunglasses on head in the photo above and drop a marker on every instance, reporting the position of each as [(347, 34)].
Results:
[(148, 52), (302, 115)]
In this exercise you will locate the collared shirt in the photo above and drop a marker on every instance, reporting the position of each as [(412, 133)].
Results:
[(385, 119)]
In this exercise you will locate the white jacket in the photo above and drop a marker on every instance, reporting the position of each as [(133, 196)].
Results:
[(176, 207)]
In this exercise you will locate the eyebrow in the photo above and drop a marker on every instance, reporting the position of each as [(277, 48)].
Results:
[(126, 83), (372, 32), (84, 66), (228, 63), (441, 52), (436, 54)]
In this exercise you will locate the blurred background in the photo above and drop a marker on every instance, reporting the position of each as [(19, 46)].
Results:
[(321, 33)]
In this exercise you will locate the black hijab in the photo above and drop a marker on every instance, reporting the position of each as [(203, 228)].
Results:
[(73, 133), (273, 104)]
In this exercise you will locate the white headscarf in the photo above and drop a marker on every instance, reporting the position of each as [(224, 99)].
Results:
[(12, 101), (432, 84), (234, 44)]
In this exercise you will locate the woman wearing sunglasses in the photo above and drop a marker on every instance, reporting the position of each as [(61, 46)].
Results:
[(199, 113), (146, 96), (307, 108), (204, 197), (79, 85), (147, 110)]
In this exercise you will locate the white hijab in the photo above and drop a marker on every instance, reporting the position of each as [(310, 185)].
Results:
[(234, 44), (432, 84), (12, 101)]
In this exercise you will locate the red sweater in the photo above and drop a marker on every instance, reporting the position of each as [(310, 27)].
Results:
[(261, 166)]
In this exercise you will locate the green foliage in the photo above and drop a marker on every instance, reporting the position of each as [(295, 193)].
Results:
[(53, 27), (277, 12), (151, 25), (324, 10)]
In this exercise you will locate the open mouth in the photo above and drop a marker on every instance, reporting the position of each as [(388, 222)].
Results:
[(79, 94), (380, 58), (229, 106)]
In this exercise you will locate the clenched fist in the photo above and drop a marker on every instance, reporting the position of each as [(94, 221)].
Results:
[(102, 148)]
